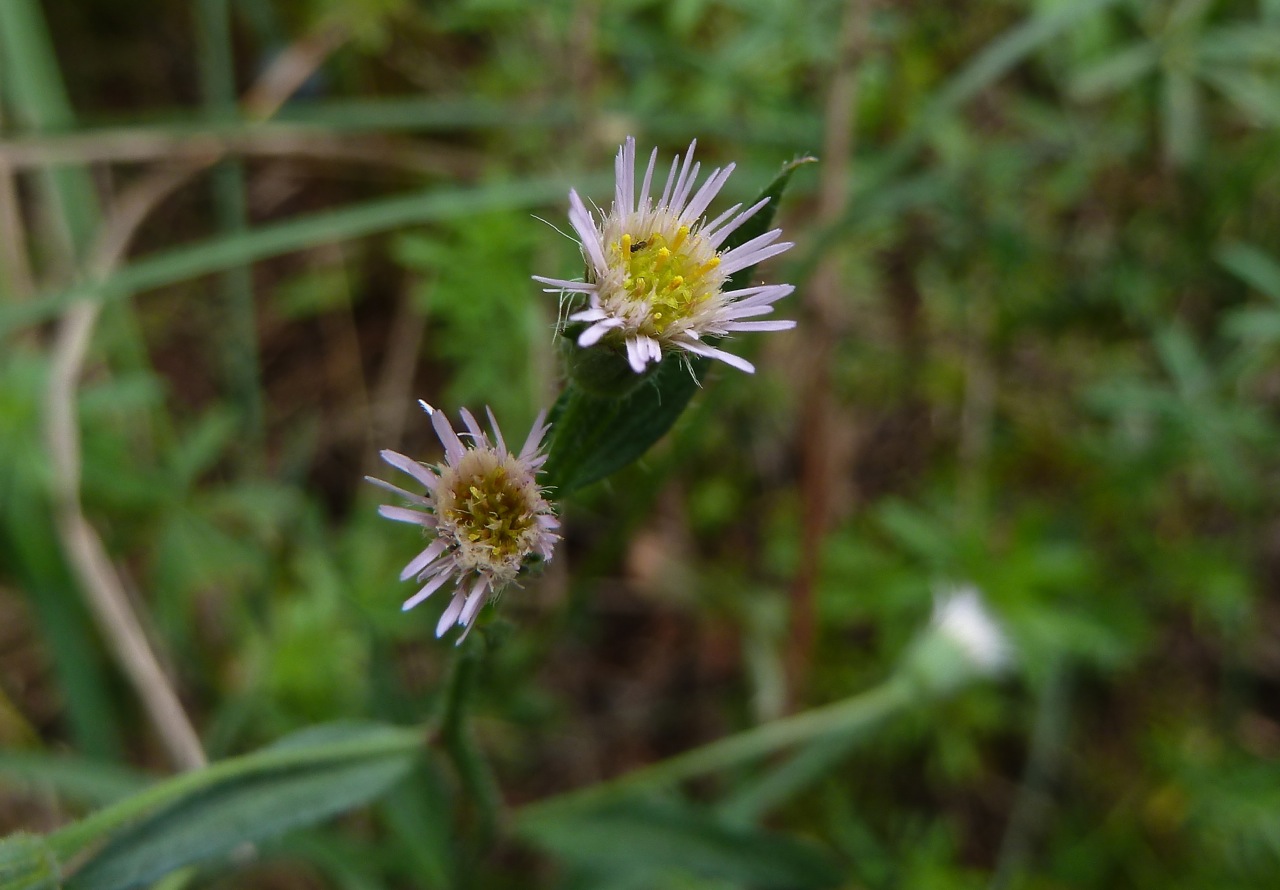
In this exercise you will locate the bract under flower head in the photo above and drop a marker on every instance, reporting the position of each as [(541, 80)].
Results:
[(482, 511), (656, 271)]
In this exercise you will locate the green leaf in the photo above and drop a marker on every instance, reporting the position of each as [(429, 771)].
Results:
[(299, 781), (593, 436), (1253, 266), (1256, 96), (657, 841), (1116, 72), (27, 863), (997, 59), (1239, 44), (1256, 326)]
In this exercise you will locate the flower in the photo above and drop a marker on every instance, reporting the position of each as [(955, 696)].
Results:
[(656, 272), (963, 643), (960, 616), (482, 510)]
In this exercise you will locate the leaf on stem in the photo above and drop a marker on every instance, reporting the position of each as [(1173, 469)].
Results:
[(299, 785)]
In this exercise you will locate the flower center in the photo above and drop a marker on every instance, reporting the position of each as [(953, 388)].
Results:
[(489, 508), (668, 277)]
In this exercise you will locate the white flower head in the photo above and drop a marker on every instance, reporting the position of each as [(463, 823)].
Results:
[(656, 270), (482, 511), (960, 616)]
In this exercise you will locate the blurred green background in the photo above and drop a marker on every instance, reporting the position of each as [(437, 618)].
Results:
[(1038, 293)]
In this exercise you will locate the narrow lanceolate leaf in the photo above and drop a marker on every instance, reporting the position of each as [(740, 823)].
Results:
[(596, 436), (1117, 72), (299, 781)]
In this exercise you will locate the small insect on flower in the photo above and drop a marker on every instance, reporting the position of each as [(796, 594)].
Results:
[(656, 271), (482, 512)]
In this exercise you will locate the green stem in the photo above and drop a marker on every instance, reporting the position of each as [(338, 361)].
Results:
[(455, 737), (1033, 803), (805, 767), (851, 716), (73, 838), (456, 693), (238, 333)]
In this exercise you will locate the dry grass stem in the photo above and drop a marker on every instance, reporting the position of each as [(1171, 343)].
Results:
[(89, 559)]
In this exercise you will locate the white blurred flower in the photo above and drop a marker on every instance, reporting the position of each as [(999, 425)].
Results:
[(482, 511), (960, 616), (656, 270)]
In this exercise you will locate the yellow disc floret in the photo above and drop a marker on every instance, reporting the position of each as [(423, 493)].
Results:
[(489, 506), (670, 277)]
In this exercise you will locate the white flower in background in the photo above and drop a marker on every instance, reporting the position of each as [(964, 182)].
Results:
[(482, 511), (960, 616), (656, 271)]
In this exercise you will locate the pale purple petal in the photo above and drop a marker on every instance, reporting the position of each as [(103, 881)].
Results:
[(453, 449), (636, 355), (404, 514), (423, 559), (563, 284), (397, 490), (727, 357), (715, 240), (497, 433), (728, 267), (762, 293), (431, 587), (755, 244), (653, 348), (451, 612), (410, 466), (592, 335), (625, 177), (711, 226), (536, 432), (759, 325), (478, 438), (682, 194), (469, 614), (648, 179), (709, 190), (732, 311), (684, 181), (473, 604), (584, 225), (671, 177)]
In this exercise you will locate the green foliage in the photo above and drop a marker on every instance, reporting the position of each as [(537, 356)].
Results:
[(1047, 366), (472, 282)]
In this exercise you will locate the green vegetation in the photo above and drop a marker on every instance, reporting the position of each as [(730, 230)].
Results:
[(1038, 291)]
